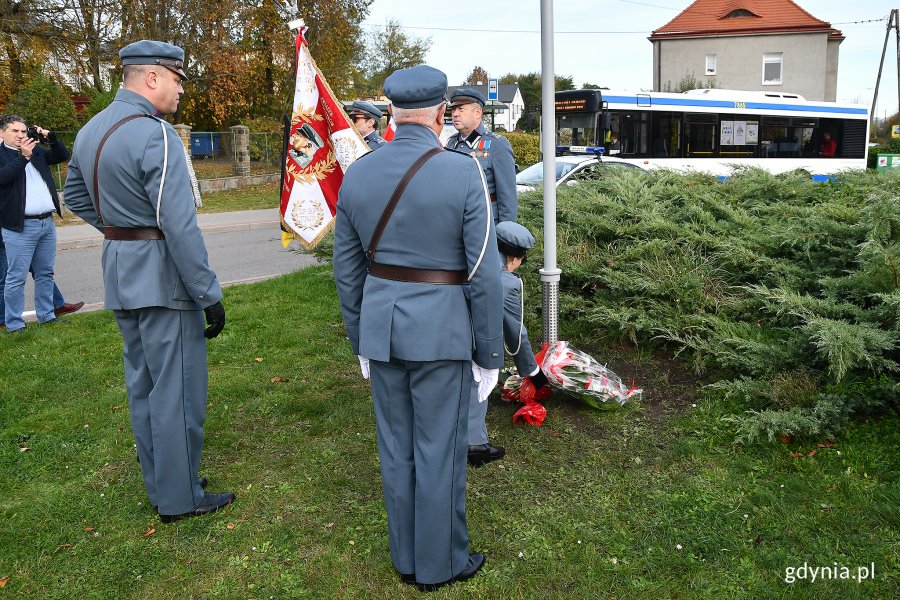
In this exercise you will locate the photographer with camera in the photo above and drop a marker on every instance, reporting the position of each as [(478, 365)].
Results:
[(28, 200)]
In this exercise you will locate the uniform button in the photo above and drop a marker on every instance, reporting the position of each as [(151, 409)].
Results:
[(495, 355), (202, 297)]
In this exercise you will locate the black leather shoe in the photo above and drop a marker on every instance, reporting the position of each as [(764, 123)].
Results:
[(484, 453), (202, 481), (211, 503), (476, 561), (408, 578)]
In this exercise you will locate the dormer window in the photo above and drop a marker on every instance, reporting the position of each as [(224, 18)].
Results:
[(740, 12)]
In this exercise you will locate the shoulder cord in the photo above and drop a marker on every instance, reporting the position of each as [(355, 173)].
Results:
[(162, 181), (490, 219), (521, 318)]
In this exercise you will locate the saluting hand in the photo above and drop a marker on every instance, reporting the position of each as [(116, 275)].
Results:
[(215, 317)]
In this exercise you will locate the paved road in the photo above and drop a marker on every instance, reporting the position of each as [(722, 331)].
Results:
[(243, 246)]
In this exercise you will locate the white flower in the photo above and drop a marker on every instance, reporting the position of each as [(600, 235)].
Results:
[(678, 546), (521, 555)]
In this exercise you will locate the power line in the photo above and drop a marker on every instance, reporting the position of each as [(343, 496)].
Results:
[(467, 29)]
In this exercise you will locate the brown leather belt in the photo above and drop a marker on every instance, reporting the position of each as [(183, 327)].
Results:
[(413, 275), (132, 233), (493, 197)]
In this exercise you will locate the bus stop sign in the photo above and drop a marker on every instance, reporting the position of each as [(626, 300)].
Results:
[(493, 89)]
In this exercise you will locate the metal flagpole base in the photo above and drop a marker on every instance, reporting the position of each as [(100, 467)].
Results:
[(550, 313)]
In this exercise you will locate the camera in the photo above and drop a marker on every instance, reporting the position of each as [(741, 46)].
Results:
[(32, 132)]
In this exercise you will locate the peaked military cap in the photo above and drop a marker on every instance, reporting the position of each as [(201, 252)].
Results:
[(151, 52), (416, 87), (514, 235), (365, 109), (309, 133), (465, 95)]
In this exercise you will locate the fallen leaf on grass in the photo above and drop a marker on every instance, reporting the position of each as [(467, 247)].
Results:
[(351, 542), (279, 380), (63, 546), (88, 529), (785, 438), (230, 526), (329, 525), (4, 581), (259, 359), (796, 455), (812, 452), (150, 531), (23, 449), (828, 445)]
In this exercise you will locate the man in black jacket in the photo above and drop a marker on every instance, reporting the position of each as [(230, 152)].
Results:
[(28, 200)]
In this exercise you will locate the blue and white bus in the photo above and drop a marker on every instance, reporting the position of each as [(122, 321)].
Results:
[(713, 130)]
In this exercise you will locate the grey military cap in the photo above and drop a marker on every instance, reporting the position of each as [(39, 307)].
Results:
[(416, 87), (365, 109), (514, 235), (152, 52), (465, 95)]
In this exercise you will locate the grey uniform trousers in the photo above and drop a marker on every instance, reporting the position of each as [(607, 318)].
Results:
[(421, 412), (166, 379), (478, 434)]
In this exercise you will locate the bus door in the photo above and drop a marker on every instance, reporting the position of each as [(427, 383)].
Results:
[(665, 135), (633, 130), (700, 135)]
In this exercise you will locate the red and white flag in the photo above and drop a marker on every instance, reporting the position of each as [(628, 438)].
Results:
[(390, 131), (321, 145)]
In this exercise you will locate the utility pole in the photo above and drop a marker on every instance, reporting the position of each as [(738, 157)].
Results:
[(893, 23)]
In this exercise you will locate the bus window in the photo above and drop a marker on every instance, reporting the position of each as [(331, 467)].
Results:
[(665, 133), (700, 135), (633, 129), (738, 136), (577, 129)]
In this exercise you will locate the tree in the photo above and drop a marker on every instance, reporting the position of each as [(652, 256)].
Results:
[(530, 85), (44, 102), (478, 76), (389, 50), (591, 86)]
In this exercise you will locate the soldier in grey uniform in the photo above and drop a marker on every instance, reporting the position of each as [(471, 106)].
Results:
[(513, 242), (128, 177), (409, 320), (492, 150), (365, 117)]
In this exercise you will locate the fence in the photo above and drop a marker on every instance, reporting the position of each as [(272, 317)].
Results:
[(214, 154)]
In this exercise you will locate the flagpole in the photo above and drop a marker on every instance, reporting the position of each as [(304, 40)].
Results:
[(550, 274)]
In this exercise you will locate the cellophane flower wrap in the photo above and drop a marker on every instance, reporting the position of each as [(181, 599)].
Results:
[(580, 374)]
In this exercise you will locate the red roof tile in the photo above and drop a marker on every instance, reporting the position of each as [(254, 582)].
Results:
[(711, 17)]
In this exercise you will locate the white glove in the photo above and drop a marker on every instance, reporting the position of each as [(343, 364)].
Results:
[(364, 366), (486, 380)]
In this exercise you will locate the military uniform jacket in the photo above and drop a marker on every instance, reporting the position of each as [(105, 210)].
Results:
[(374, 140), (514, 333), (442, 221), (495, 156), (171, 273)]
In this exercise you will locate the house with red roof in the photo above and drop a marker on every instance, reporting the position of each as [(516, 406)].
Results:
[(769, 45)]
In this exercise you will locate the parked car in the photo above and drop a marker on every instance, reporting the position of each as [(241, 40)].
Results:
[(570, 169)]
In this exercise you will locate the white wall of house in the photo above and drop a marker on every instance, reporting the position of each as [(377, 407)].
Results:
[(809, 62), (508, 118)]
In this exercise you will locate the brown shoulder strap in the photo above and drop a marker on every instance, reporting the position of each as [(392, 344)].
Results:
[(97, 160), (395, 197)]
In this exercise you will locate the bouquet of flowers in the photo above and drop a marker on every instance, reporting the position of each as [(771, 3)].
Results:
[(578, 373)]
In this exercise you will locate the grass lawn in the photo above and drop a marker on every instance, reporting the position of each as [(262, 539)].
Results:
[(651, 501)]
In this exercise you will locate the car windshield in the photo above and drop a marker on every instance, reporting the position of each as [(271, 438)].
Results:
[(534, 174)]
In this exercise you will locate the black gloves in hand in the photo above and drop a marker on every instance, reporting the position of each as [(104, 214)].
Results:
[(539, 380), (215, 316)]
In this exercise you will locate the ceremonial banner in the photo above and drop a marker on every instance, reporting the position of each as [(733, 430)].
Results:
[(320, 145)]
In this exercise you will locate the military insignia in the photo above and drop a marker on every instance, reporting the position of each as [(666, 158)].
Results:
[(484, 144), (308, 215), (473, 153), (485, 154)]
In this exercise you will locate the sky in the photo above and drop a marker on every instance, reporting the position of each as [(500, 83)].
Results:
[(604, 42)]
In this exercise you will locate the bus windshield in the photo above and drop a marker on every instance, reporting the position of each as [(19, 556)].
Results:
[(576, 129)]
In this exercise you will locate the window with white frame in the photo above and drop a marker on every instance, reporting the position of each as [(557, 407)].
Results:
[(772, 67), (710, 64)]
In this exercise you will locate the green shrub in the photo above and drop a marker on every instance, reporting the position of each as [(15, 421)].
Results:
[(98, 103), (45, 103), (784, 291), (526, 148)]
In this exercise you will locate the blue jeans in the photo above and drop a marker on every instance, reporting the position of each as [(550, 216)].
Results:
[(58, 299), (33, 248)]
